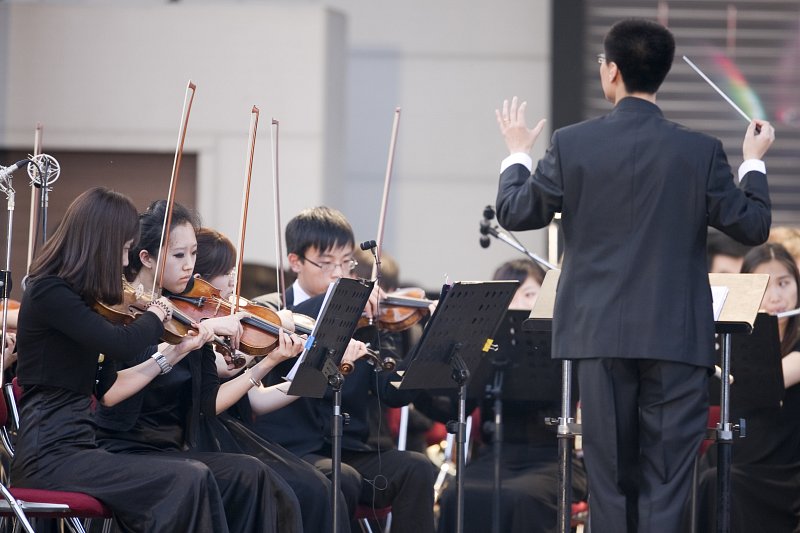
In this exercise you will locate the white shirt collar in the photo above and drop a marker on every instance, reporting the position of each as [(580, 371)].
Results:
[(299, 294)]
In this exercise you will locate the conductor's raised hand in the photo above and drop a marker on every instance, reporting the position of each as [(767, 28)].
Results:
[(511, 120), (757, 140)]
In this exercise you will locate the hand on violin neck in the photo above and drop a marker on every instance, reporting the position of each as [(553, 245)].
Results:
[(289, 346), (355, 351), (227, 326), (287, 319), (193, 340), (372, 307)]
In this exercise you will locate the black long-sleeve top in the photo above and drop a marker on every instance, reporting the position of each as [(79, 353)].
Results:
[(170, 412), (60, 337)]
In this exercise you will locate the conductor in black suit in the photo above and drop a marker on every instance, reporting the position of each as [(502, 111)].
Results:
[(636, 193)]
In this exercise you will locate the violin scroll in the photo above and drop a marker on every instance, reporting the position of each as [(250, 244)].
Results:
[(374, 358)]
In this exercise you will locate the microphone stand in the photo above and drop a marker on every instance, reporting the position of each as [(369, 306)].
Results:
[(43, 174), (487, 229), (567, 430), (5, 275)]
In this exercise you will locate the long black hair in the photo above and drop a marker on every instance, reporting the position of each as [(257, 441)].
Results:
[(86, 248), (151, 222), (764, 254)]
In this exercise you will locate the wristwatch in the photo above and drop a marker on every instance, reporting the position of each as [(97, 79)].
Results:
[(159, 358)]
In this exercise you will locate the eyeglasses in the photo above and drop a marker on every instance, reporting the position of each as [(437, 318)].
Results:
[(347, 266), (601, 58)]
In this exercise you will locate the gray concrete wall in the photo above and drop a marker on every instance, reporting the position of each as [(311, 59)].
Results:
[(111, 75)]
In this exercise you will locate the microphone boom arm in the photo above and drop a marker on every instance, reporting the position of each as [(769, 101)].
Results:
[(502, 236)]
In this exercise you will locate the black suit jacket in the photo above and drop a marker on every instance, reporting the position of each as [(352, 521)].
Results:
[(304, 426), (636, 193)]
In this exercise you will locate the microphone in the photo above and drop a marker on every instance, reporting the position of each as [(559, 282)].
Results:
[(44, 171), (372, 246), (486, 226), (7, 171)]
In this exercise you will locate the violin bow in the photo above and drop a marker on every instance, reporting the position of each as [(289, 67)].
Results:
[(385, 200), (33, 224), (248, 173), (279, 274), (188, 98)]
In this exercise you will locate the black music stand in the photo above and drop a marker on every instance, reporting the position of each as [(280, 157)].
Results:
[(318, 368), (520, 370), (756, 368), (454, 340), (738, 316), (541, 319), (755, 362)]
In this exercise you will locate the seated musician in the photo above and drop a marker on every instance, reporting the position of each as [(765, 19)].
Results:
[(529, 460), (765, 474), (60, 339), (175, 416), (320, 246), (216, 260)]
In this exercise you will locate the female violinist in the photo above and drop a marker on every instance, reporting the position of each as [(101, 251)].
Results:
[(175, 415), (60, 338), (765, 474), (216, 257)]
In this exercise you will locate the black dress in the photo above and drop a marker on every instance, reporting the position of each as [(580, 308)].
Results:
[(765, 472), (174, 417), (59, 340), (310, 485)]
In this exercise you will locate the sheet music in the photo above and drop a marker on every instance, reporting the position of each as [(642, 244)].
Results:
[(718, 296), (310, 341)]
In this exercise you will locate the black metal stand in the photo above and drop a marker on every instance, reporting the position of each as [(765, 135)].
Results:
[(496, 392), (318, 366), (452, 344), (724, 442), (460, 377), (336, 382), (566, 445), (758, 383)]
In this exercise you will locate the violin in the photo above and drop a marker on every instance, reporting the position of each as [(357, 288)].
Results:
[(399, 311), (134, 303), (260, 328)]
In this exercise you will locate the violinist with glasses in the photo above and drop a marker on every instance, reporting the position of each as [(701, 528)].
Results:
[(320, 246)]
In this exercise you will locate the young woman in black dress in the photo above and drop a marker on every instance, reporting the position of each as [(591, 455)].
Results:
[(176, 415), (765, 474), (216, 259), (60, 338)]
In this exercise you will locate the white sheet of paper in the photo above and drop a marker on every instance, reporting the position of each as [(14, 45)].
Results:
[(718, 295), (302, 356)]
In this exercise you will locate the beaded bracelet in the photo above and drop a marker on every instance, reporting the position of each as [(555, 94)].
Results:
[(164, 307)]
